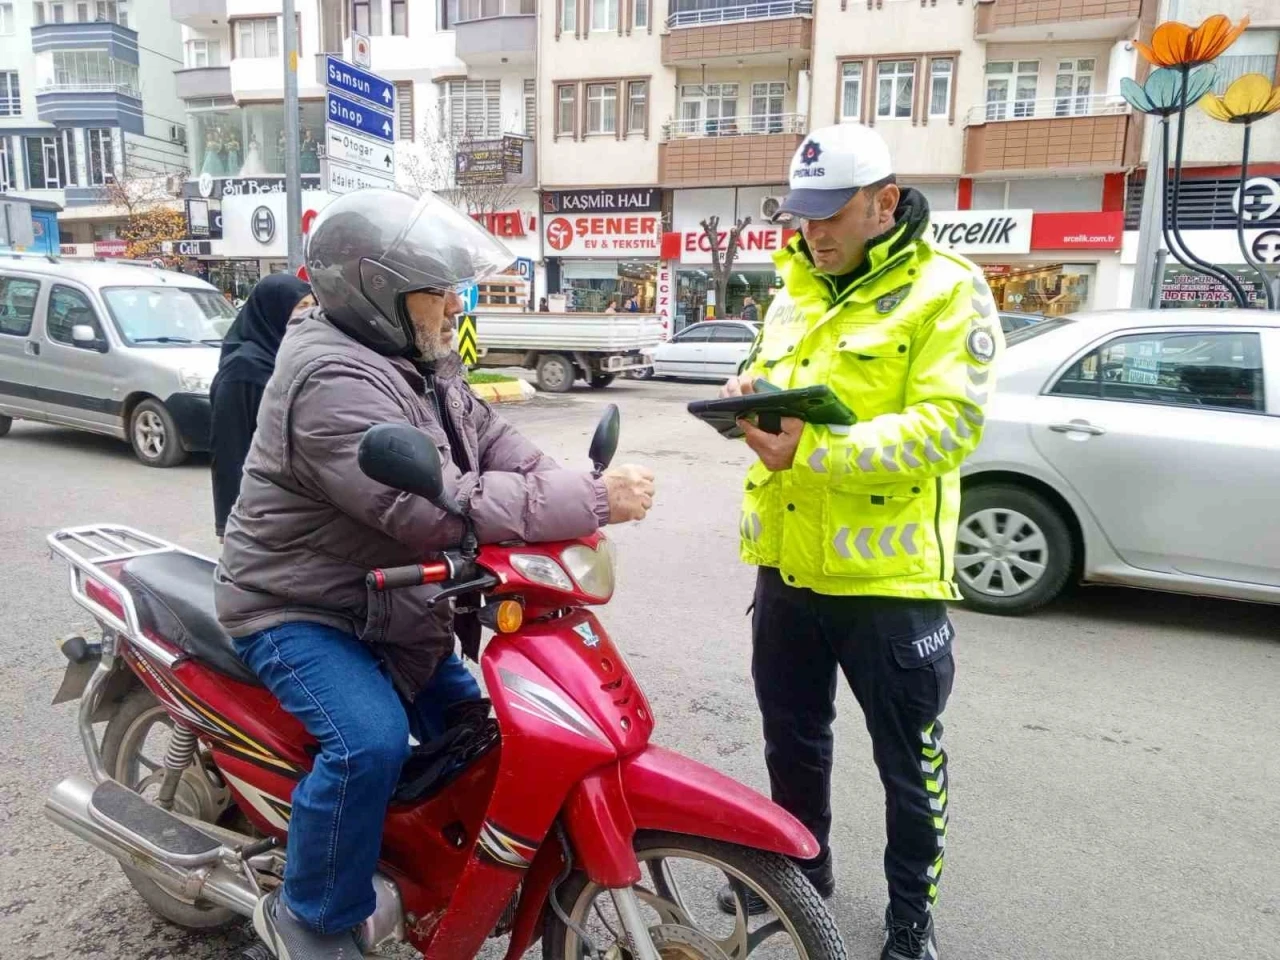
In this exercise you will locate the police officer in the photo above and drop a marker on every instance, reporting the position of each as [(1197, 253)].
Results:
[(853, 528)]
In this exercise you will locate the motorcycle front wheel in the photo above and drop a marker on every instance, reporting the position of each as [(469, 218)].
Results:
[(680, 879)]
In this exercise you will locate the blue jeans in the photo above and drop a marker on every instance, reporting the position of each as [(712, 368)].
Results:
[(334, 684)]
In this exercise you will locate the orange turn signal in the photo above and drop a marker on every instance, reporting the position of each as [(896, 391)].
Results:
[(509, 616)]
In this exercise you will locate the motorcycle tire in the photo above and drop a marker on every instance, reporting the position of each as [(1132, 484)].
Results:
[(125, 734), (791, 898)]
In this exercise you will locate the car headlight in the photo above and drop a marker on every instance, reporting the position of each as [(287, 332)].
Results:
[(591, 569), (542, 569), (193, 381)]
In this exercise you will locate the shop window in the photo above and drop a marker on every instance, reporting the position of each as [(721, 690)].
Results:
[(258, 38), (1052, 290), (602, 108), (851, 92), (895, 84), (17, 305), (1216, 370), (1011, 89), (1073, 88), (249, 141)]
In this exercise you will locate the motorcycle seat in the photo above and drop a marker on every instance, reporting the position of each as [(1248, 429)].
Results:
[(173, 593)]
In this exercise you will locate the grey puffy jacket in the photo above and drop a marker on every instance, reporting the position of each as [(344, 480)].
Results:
[(308, 525)]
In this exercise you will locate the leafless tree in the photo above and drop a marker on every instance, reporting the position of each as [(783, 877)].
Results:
[(722, 260), (432, 165)]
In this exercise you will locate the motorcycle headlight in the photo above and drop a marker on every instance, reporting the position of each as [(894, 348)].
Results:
[(542, 569), (193, 381), (591, 569)]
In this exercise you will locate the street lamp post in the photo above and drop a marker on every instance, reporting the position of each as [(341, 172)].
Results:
[(292, 146)]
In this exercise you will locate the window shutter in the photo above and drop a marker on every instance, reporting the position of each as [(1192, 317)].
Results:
[(404, 109)]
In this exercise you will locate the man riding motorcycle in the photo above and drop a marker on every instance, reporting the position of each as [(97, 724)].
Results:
[(347, 661)]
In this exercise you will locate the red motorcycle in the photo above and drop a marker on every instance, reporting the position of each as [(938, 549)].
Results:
[(558, 820)]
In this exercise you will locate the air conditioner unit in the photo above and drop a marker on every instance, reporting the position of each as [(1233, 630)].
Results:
[(769, 208), (177, 133), (173, 184)]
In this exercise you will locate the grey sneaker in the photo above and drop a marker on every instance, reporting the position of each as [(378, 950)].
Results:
[(288, 938), (905, 940)]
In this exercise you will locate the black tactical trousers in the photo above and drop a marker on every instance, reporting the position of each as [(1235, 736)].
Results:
[(896, 655)]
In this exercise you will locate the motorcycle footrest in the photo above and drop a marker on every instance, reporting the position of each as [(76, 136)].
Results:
[(157, 831)]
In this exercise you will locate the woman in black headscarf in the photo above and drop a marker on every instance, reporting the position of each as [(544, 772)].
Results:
[(248, 357)]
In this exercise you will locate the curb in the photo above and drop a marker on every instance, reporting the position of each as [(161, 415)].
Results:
[(515, 391)]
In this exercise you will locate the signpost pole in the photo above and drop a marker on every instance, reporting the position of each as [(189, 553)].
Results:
[(292, 147)]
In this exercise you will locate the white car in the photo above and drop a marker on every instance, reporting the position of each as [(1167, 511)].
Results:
[(710, 350), (1128, 447)]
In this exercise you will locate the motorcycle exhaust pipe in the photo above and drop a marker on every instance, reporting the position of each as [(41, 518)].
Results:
[(68, 807)]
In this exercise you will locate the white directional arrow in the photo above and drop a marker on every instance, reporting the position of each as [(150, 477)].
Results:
[(386, 128), (386, 96)]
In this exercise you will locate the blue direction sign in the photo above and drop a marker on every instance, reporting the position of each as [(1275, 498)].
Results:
[(470, 296), (354, 82), (358, 117)]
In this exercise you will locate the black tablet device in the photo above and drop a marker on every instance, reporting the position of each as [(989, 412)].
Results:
[(766, 408)]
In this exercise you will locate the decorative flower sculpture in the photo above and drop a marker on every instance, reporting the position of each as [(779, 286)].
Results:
[(1161, 95), (1175, 44), (1250, 98)]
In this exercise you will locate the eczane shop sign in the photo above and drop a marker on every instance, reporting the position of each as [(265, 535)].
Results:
[(756, 244), (624, 236), (982, 231)]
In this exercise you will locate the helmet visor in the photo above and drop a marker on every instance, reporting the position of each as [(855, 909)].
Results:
[(442, 248)]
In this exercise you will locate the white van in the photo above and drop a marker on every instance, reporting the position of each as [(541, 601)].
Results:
[(126, 351)]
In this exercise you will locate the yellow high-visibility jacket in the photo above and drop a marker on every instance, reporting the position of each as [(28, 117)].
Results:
[(911, 348)]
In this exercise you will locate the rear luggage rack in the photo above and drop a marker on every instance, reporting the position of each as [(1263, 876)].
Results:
[(88, 550)]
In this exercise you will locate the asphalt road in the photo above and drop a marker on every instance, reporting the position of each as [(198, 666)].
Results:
[(1114, 763)]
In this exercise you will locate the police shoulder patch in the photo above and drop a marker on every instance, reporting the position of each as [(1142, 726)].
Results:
[(981, 344), (891, 299)]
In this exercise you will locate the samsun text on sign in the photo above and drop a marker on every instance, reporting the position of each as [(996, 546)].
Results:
[(603, 236)]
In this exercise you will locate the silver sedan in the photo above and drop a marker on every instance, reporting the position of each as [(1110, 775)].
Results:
[(1128, 447)]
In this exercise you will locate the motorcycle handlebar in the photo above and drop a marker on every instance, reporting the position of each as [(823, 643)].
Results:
[(412, 575)]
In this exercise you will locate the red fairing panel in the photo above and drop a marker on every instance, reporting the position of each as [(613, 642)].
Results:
[(667, 791)]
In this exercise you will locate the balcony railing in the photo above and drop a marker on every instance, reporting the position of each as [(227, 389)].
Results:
[(773, 10), (471, 11), (1047, 108), (91, 86), (745, 126)]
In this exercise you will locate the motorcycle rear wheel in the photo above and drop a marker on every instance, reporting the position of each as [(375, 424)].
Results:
[(127, 736), (675, 871)]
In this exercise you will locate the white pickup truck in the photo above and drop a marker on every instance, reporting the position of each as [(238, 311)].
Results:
[(564, 347)]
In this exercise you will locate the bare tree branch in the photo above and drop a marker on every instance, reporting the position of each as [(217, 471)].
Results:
[(722, 261), (432, 165)]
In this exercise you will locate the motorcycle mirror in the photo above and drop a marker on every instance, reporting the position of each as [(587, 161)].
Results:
[(604, 444), (404, 458)]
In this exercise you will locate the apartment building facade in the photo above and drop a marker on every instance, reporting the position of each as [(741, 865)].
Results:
[(86, 98)]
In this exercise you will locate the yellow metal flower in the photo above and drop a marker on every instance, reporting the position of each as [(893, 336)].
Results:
[(1175, 44), (1250, 98)]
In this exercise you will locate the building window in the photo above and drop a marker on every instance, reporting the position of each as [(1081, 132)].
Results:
[(257, 38), (112, 11), (57, 13), (473, 108), (366, 15), (851, 92), (404, 109), (333, 25), (896, 82), (1255, 52), (101, 155), (602, 108), (767, 106), (1073, 88), (6, 19), (204, 53), (51, 162), (10, 95), (502, 292), (37, 14), (93, 70), (642, 14), (8, 178), (568, 16), (443, 20), (530, 107), (566, 109), (941, 73), (604, 15), (710, 110), (1011, 89), (399, 18), (637, 107)]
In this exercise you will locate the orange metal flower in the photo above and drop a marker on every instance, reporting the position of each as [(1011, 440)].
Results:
[(1177, 44)]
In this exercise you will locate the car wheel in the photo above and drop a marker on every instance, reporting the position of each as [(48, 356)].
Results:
[(555, 373), (5, 424), (154, 436), (1013, 551)]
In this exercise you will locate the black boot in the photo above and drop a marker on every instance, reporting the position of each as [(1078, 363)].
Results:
[(288, 938), (818, 872), (907, 939)]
